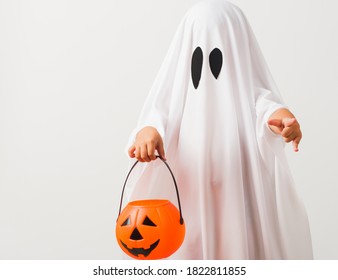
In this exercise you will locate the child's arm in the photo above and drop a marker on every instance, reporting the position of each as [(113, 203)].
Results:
[(147, 141), (284, 123)]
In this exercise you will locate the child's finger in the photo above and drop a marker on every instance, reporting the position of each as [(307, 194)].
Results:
[(151, 151), (131, 151), (295, 144), (144, 154), (137, 153), (287, 132), (276, 123), (160, 150), (287, 122)]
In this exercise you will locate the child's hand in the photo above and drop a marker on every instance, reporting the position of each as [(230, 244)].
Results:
[(289, 129), (147, 141)]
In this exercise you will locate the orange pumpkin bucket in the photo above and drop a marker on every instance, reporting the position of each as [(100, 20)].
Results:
[(150, 229)]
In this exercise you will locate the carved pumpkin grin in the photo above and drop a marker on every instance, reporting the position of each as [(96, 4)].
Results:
[(141, 251)]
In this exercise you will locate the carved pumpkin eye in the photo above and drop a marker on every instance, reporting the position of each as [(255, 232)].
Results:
[(126, 222), (148, 222)]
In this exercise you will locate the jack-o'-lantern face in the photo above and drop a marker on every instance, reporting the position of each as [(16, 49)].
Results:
[(149, 229)]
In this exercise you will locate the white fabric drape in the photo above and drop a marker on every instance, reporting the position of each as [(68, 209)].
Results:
[(238, 197)]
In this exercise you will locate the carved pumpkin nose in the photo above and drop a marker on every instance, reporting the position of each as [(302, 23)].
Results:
[(136, 235)]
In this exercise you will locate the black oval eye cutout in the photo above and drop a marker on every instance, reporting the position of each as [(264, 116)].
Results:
[(216, 61), (148, 222), (196, 66), (126, 222)]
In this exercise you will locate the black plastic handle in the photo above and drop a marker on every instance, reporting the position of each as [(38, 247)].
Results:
[(172, 175)]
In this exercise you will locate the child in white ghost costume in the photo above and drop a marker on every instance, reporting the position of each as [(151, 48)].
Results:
[(215, 114)]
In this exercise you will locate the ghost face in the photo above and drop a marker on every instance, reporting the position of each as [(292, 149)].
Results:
[(215, 63)]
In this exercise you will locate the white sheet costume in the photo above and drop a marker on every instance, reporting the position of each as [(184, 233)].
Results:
[(211, 101)]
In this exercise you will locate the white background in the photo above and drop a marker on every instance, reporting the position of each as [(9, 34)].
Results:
[(73, 77)]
